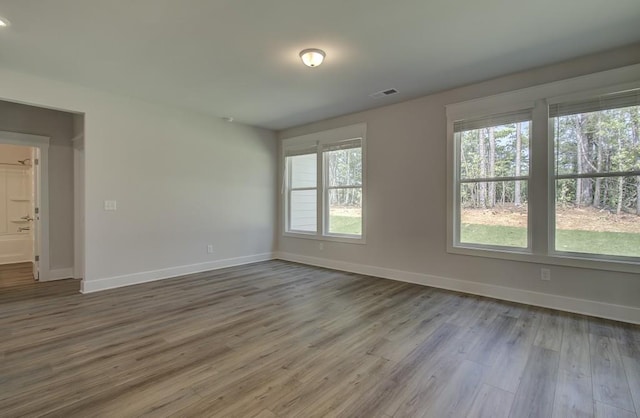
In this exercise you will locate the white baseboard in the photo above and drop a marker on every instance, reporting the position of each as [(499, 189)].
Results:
[(60, 274), (562, 303), (90, 286)]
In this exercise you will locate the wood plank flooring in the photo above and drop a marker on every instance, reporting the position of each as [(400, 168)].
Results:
[(279, 339)]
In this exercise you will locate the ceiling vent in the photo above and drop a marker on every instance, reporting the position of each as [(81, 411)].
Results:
[(383, 93)]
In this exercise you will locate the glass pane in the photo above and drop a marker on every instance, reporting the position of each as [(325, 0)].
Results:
[(344, 167), (303, 211), (499, 151), (345, 211), (494, 213), (598, 142), (598, 216), (303, 170)]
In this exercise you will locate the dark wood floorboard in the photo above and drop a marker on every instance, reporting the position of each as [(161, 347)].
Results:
[(279, 339)]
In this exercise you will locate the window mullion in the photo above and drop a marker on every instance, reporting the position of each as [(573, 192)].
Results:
[(541, 182), (456, 195), (320, 200), (344, 187), (494, 179), (598, 175), (288, 220)]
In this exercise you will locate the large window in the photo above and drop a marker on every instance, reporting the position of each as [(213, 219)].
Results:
[(493, 180), (550, 175), (324, 184), (597, 175)]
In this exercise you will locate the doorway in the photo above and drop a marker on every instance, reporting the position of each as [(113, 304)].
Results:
[(21, 216), (57, 140), (18, 225)]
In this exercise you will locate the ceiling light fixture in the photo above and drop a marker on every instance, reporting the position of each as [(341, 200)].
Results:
[(312, 57), (4, 22)]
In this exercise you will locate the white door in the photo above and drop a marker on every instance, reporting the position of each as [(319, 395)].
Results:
[(35, 212)]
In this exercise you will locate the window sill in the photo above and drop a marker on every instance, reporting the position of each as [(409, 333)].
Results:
[(558, 259), (331, 238)]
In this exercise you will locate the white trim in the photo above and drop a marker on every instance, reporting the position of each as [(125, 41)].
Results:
[(17, 138), (316, 141), (59, 274), (589, 94), (78, 140), (624, 78), (563, 303), (78, 210), (90, 286), (341, 134), (577, 260), (541, 225), (347, 239), (42, 144)]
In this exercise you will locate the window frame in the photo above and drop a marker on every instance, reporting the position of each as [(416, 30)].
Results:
[(553, 177), (541, 188), (290, 190), (319, 141), (458, 181)]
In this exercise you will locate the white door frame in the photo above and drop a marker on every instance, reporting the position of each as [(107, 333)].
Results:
[(42, 143)]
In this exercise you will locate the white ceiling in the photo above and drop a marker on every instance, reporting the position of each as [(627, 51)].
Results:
[(239, 58)]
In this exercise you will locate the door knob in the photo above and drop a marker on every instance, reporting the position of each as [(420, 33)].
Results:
[(24, 228), (27, 218)]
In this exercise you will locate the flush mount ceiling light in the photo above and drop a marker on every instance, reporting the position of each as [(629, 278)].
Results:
[(4, 22), (312, 57)]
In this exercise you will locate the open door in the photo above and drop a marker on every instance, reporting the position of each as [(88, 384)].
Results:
[(35, 212)]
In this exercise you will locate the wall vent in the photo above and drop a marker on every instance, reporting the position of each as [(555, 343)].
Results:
[(383, 93)]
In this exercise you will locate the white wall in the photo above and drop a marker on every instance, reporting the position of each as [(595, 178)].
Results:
[(58, 126), (182, 180), (406, 204)]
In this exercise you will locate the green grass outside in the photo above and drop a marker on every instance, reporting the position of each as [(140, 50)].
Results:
[(345, 225), (609, 243), (509, 236)]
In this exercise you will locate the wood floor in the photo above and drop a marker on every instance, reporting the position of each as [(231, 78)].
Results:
[(281, 339)]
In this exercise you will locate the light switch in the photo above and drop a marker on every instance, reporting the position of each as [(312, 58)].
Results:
[(110, 205)]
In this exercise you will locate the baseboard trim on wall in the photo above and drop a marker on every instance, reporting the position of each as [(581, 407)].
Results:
[(562, 303), (60, 274), (90, 286)]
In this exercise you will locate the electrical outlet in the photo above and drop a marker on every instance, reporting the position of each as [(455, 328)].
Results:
[(110, 205), (545, 274), (210, 249), (321, 246)]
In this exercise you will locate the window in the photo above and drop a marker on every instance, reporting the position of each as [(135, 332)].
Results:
[(492, 156), (549, 174), (324, 184), (597, 175), (302, 192), (343, 190)]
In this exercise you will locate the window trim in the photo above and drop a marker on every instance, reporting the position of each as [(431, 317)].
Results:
[(541, 170), (458, 181), (319, 140)]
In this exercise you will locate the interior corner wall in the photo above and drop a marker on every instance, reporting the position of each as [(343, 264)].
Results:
[(406, 202), (182, 180), (58, 126), (78, 195)]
